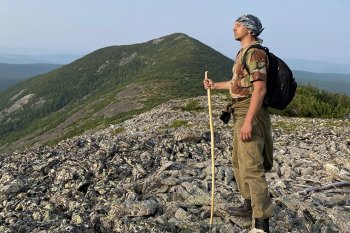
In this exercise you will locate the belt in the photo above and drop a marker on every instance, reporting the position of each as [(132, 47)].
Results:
[(239, 99)]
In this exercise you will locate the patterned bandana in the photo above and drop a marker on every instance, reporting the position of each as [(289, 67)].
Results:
[(252, 23)]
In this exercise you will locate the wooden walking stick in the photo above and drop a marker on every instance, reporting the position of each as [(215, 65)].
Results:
[(212, 153)]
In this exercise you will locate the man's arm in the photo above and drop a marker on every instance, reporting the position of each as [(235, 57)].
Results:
[(256, 102), (208, 83)]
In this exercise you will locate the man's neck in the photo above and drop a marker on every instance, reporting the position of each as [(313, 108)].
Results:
[(247, 41)]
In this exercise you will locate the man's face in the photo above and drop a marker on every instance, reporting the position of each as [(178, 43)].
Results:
[(240, 31)]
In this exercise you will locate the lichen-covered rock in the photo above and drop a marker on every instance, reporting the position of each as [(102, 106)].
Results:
[(155, 176)]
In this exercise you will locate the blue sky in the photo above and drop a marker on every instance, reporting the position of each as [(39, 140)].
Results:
[(315, 30)]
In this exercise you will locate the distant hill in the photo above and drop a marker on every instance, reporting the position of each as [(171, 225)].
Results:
[(106, 86), (339, 83), (11, 74), (32, 59), (318, 66)]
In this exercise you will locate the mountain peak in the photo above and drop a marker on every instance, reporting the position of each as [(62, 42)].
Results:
[(84, 94)]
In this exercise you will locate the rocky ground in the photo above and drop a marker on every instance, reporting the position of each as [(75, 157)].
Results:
[(152, 173)]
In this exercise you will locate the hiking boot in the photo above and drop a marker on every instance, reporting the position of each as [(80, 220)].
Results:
[(262, 224), (244, 210)]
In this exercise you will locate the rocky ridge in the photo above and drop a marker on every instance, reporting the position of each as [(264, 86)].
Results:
[(152, 173)]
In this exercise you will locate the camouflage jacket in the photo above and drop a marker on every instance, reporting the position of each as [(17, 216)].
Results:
[(242, 82)]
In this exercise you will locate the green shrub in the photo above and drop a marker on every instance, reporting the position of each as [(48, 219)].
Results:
[(192, 105), (312, 102), (118, 130), (179, 123)]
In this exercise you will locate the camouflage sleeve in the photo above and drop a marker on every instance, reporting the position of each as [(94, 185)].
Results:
[(257, 61)]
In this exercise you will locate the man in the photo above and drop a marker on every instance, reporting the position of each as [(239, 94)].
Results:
[(252, 151)]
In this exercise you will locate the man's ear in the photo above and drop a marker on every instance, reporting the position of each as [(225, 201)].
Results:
[(251, 33)]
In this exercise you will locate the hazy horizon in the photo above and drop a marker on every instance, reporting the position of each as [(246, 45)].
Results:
[(39, 52)]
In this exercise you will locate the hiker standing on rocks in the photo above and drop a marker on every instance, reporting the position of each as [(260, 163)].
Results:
[(252, 151)]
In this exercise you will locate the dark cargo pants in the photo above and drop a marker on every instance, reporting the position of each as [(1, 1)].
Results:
[(251, 159)]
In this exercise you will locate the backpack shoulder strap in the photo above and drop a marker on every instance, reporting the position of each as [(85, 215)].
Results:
[(258, 46)]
